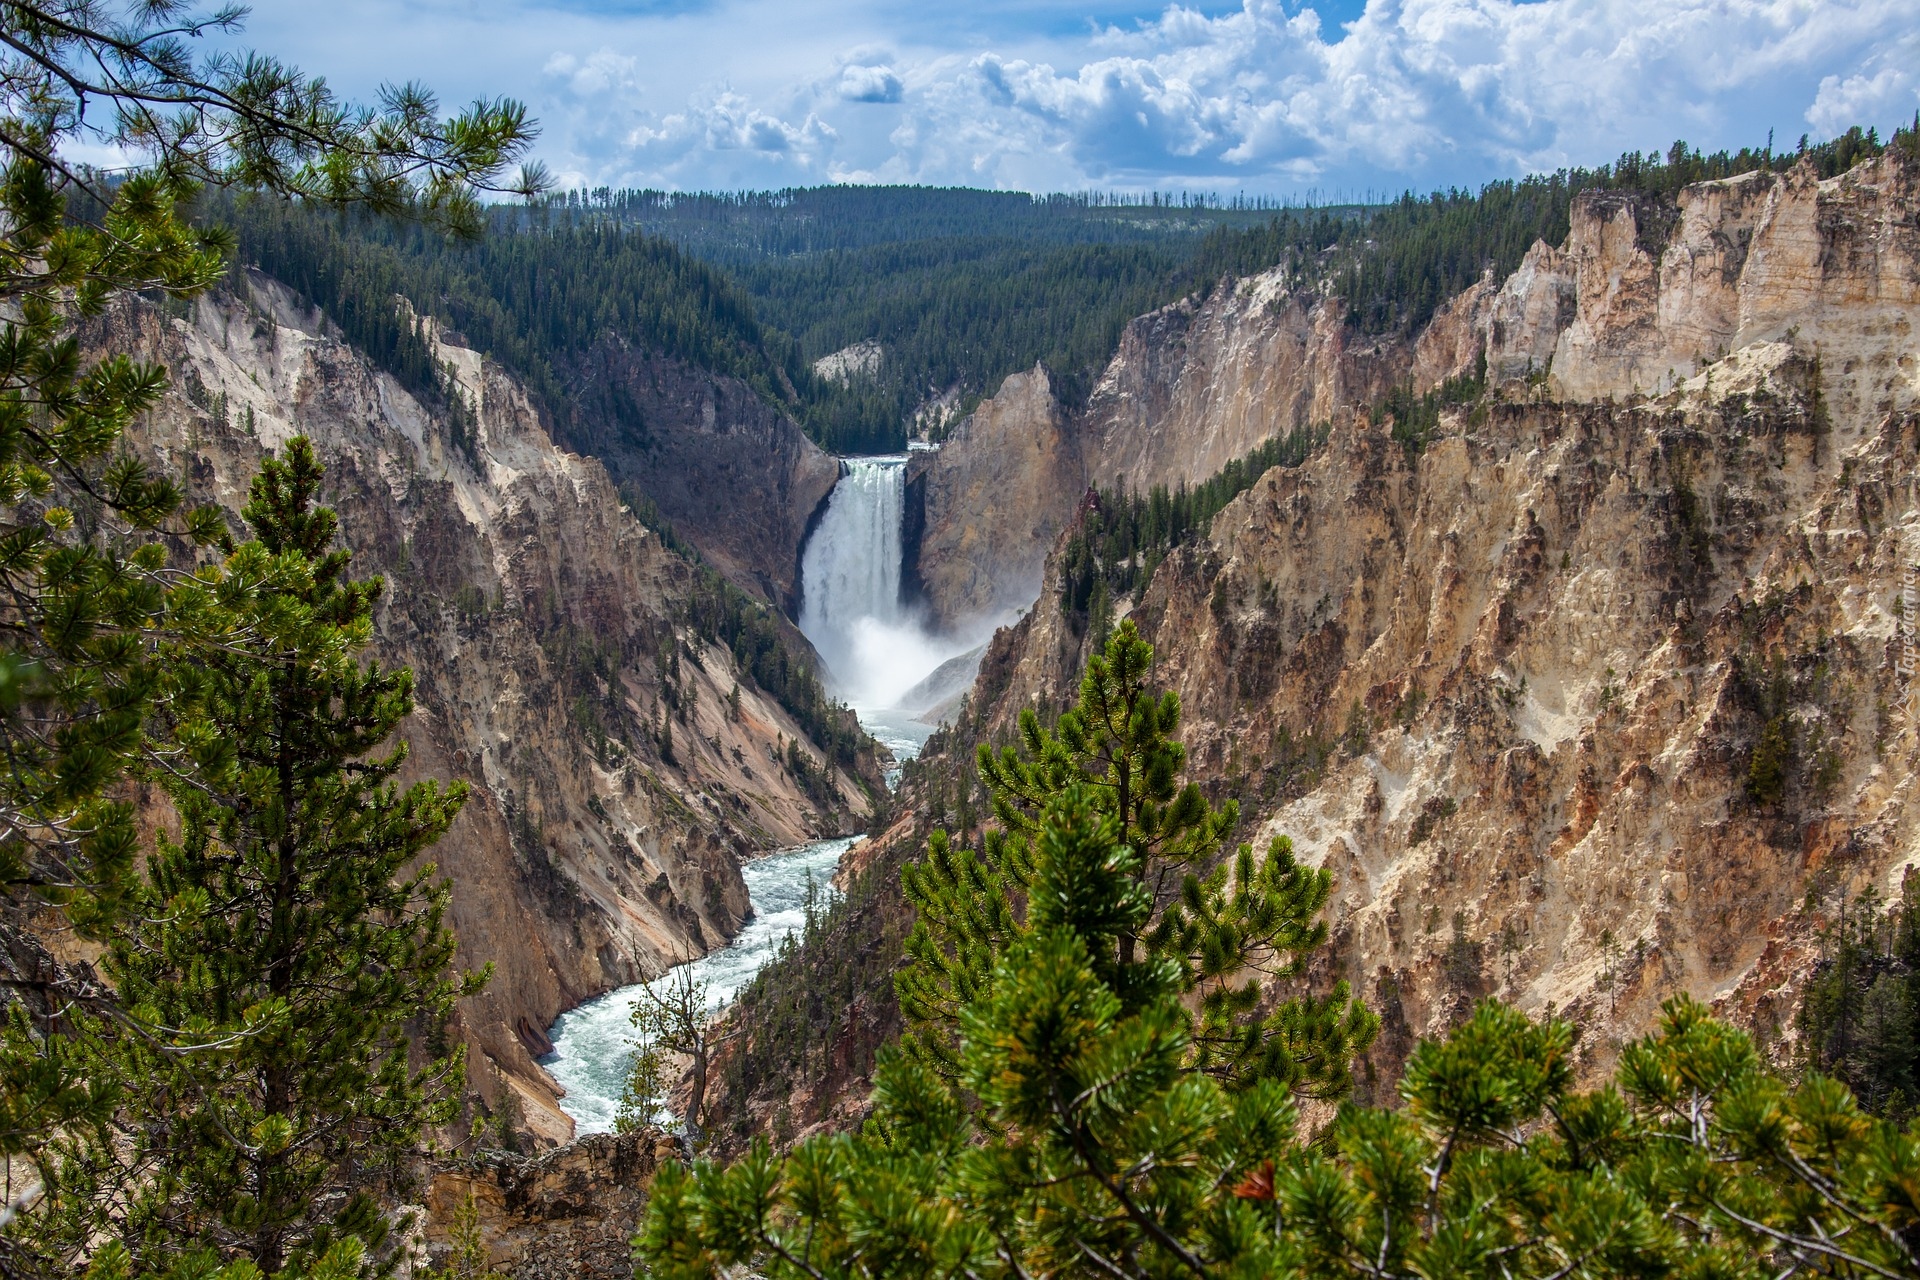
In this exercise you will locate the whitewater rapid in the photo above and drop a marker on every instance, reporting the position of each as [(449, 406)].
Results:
[(593, 1044)]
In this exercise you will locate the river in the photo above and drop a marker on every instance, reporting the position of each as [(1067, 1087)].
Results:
[(592, 1045), (876, 652)]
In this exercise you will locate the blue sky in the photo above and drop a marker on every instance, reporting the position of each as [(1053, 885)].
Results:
[(1280, 97)]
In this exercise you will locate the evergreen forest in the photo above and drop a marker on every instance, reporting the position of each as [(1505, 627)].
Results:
[(960, 288)]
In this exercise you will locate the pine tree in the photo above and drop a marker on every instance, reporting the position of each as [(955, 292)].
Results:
[(1858, 1019), (290, 925), (1222, 927), (1087, 1151), (467, 1258), (671, 1017), (1062, 1108), (84, 575)]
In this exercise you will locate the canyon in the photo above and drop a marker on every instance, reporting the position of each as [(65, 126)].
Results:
[(614, 792), (1509, 684)]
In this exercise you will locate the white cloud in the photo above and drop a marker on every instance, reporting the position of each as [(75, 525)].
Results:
[(1273, 95), (726, 122), (1887, 88), (1424, 89), (869, 84)]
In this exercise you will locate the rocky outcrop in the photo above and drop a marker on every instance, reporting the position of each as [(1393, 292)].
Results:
[(733, 475), (986, 507), (1832, 267), (1194, 386), (613, 794), (1454, 340), (849, 364), (1526, 317), (566, 1215)]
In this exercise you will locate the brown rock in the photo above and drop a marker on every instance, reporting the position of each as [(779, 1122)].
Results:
[(539, 617), (566, 1215)]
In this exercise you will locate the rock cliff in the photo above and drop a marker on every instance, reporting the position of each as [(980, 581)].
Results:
[(613, 794), (986, 507), (1828, 267), (1640, 298), (1516, 691), (734, 476), (1192, 386)]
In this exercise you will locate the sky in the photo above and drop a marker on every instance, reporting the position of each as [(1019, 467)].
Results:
[(1328, 99)]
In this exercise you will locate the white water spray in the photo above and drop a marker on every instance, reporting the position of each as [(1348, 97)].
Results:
[(874, 645)]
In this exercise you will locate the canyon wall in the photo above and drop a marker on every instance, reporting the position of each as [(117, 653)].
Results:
[(613, 794), (1194, 386), (1191, 387), (985, 509), (734, 476), (1513, 690), (1828, 267), (1759, 258)]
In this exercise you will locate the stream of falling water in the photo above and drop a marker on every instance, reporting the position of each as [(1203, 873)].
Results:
[(877, 653)]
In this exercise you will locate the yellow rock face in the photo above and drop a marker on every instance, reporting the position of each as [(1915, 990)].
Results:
[(1509, 690)]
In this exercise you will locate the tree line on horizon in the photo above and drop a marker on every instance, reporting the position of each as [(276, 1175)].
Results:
[(961, 287)]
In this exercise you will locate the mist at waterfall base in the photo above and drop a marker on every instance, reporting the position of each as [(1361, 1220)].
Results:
[(876, 647)]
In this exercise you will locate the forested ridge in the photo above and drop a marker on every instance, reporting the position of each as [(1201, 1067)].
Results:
[(960, 287), (963, 287)]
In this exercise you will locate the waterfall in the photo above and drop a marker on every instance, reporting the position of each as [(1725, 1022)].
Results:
[(874, 645), (851, 569)]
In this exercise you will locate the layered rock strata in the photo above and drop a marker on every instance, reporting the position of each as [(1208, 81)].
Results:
[(732, 474), (613, 792)]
